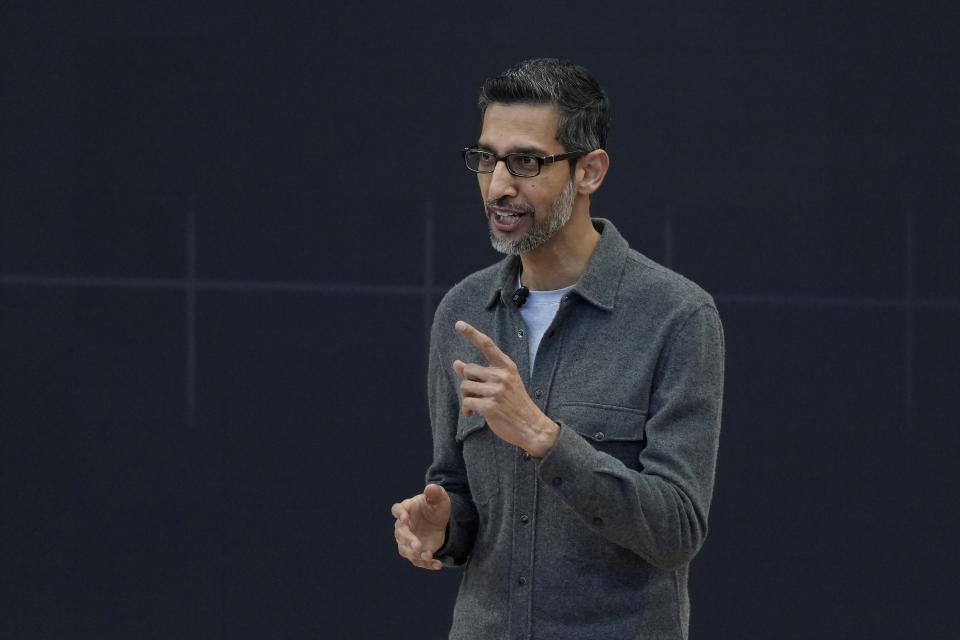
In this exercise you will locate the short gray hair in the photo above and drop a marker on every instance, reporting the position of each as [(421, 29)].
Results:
[(582, 103)]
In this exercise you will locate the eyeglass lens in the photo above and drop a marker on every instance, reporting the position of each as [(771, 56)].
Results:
[(517, 164)]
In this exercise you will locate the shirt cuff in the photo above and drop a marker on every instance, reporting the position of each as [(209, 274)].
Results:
[(457, 540), (569, 466)]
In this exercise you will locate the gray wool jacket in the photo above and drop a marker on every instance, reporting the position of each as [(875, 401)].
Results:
[(594, 540)]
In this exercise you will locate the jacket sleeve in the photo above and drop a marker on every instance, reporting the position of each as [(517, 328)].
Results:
[(659, 512), (448, 468)]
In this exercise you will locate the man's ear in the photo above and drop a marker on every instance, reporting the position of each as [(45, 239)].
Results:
[(591, 170)]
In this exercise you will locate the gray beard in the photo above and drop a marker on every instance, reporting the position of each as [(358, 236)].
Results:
[(540, 230)]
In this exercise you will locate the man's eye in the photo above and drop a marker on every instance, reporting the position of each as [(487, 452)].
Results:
[(527, 162), (486, 157)]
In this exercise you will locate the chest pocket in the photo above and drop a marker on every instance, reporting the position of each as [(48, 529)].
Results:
[(480, 446), (619, 431)]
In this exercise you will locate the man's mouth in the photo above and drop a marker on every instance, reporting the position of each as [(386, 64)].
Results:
[(506, 219), (509, 218)]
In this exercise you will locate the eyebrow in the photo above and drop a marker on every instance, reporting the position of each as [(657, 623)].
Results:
[(529, 150)]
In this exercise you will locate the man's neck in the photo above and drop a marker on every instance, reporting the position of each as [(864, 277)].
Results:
[(560, 261)]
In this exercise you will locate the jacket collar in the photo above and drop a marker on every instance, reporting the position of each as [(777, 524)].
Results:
[(599, 283)]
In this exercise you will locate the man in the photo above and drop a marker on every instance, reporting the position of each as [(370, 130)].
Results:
[(575, 391)]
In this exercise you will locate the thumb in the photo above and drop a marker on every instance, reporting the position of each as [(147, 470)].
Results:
[(435, 495), (437, 505)]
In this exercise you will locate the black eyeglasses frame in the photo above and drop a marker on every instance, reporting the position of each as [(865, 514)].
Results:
[(541, 160)]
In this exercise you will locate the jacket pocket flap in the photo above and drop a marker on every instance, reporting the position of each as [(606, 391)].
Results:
[(604, 422), (469, 424)]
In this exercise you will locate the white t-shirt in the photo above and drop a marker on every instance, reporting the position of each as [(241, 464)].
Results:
[(538, 312)]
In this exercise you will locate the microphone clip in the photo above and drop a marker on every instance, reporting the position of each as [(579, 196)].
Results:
[(520, 296)]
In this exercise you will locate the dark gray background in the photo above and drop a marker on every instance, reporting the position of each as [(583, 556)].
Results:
[(224, 228)]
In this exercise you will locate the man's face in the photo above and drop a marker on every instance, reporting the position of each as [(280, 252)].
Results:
[(524, 213)]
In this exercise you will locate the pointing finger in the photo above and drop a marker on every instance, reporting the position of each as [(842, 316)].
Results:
[(482, 341)]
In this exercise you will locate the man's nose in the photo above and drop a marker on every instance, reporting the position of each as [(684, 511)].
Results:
[(502, 182)]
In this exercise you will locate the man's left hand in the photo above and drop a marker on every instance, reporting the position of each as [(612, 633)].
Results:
[(498, 394)]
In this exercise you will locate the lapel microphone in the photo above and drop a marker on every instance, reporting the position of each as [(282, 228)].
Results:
[(520, 296)]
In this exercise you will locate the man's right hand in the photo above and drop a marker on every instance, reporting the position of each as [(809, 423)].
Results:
[(421, 525)]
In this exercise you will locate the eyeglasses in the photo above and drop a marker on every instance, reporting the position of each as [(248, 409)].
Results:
[(522, 165)]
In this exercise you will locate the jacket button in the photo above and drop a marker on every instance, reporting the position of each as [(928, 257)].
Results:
[(538, 393), (520, 333), (522, 580), (525, 455), (557, 481), (598, 522), (524, 518), (599, 436)]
